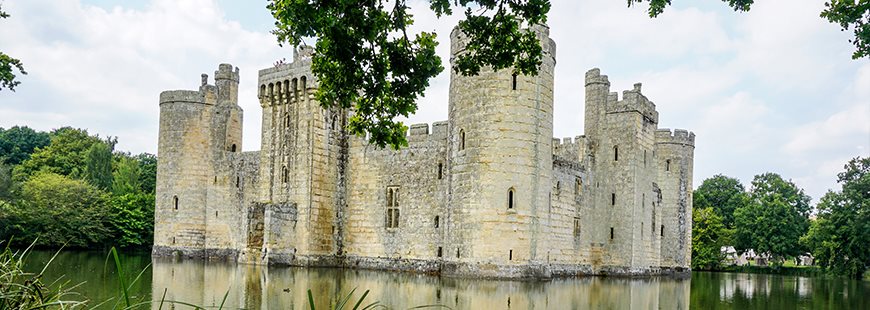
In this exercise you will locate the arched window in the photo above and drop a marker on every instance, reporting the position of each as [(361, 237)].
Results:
[(615, 153), (668, 165), (233, 148), (271, 89), (440, 170), (511, 198), (392, 217), (285, 175), (662, 231), (262, 90), (437, 220), (514, 82), (175, 201), (461, 139)]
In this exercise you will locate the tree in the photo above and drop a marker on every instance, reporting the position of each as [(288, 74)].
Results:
[(774, 220), (147, 172), (365, 59), (125, 179), (5, 182), (132, 220), (723, 194), (8, 65), (65, 155), (840, 236), (17, 143), (55, 210), (708, 235), (98, 166)]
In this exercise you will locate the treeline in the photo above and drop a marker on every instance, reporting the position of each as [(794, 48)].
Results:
[(69, 188), (774, 218)]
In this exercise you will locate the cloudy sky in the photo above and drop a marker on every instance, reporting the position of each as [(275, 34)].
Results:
[(771, 90)]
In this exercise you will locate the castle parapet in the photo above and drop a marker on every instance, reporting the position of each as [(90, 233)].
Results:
[(225, 72), (593, 76), (633, 100), (190, 96), (677, 136)]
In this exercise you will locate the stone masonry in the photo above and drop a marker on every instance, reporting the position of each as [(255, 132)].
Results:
[(487, 193)]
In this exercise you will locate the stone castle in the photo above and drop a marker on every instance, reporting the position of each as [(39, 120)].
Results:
[(487, 193)]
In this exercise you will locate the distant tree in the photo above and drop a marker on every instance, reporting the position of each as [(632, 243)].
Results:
[(723, 194), (8, 65), (66, 155), (132, 220), (840, 236), (708, 236), (98, 166), (774, 220), (55, 210), (5, 182), (849, 14), (125, 178), (17, 143), (147, 172)]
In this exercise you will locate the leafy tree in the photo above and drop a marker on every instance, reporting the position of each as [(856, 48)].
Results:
[(723, 194), (125, 179), (98, 168), (366, 59), (55, 210), (132, 220), (17, 143), (5, 181), (147, 172), (849, 14), (840, 236), (774, 220), (8, 65), (65, 155), (708, 235)]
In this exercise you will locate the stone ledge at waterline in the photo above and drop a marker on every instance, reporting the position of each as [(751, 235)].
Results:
[(487, 193)]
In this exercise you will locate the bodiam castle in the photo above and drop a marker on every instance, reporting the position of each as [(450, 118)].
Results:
[(487, 193)]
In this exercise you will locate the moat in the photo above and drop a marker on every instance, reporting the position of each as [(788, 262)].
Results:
[(257, 287)]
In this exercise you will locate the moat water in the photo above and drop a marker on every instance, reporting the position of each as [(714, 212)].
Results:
[(253, 287)]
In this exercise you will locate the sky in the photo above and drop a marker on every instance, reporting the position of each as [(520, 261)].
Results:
[(770, 90)]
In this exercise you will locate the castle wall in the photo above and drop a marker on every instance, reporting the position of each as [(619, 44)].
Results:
[(420, 190), (675, 152)]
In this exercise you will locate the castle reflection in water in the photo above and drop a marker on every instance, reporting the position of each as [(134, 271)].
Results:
[(259, 287)]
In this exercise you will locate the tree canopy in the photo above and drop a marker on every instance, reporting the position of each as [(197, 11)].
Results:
[(840, 235), (722, 193), (18, 142)]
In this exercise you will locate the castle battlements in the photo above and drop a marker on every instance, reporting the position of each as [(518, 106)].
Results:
[(189, 96), (677, 136)]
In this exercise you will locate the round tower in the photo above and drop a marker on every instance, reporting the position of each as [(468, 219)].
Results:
[(500, 161), (675, 153), (183, 169)]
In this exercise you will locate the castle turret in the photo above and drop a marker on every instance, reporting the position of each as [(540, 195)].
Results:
[(500, 166), (675, 152)]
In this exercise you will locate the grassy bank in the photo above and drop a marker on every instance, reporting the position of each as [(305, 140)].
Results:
[(803, 271)]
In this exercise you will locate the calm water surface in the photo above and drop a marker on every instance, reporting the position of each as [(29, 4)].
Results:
[(255, 287)]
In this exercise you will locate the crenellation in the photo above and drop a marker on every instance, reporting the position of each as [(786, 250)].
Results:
[(487, 193)]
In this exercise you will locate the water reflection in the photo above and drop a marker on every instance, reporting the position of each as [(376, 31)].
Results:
[(257, 287)]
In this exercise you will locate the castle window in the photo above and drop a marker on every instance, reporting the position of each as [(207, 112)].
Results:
[(611, 233), (285, 174), (662, 233), (233, 148), (643, 201), (286, 120), (578, 186), (262, 90), (392, 217), (436, 221), (271, 90), (238, 181), (613, 199), (304, 88), (668, 165), (511, 198), (511, 254), (514, 81), (615, 153), (215, 214), (440, 170), (173, 242), (576, 226), (461, 139), (439, 251), (644, 158), (641, 229), (175, 201)]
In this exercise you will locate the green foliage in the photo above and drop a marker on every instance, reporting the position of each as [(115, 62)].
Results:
[(98, 168), (55, 210), (774, 220), (125, 178), (147, 172), (657, 7), (840, 236), (8, 65), (723, 194), (854, 14), (708, 236), (5, 182), (364, 58), (132, 219), (65, 155), (17, 143)]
